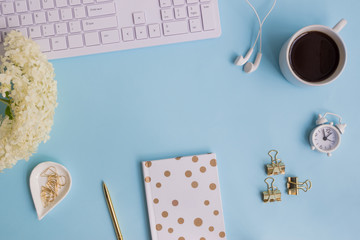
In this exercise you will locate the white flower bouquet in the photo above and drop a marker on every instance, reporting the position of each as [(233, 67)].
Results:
[(29, 91)]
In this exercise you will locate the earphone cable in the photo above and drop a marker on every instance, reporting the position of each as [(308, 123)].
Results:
[(260, 23)]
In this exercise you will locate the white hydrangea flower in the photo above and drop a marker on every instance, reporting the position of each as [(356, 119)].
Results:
[(27, 84)]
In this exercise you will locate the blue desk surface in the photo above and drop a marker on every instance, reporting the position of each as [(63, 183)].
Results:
[(121, 108)]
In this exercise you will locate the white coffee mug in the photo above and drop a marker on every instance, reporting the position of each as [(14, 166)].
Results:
[(284, 58)]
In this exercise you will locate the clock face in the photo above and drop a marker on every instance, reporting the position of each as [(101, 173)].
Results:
[(326, 138)]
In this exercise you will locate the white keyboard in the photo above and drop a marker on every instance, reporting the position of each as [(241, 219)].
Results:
[(67, 28)]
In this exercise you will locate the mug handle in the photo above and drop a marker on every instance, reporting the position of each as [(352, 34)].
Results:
[(337, 28)]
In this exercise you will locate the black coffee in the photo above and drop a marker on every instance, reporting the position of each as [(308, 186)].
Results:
[(314, 56)]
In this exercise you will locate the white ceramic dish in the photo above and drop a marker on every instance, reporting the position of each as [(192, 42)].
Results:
[(36, 181)]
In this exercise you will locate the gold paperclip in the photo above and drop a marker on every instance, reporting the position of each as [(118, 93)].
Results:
[(276, 167), (272, 194), (293, 185)]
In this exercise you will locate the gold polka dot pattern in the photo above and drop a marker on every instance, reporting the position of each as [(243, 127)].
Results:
[(167, 173), (175, 203), (165, 214), (177, 183), (212, 186), (194, 184), (198, 222), (158, 227)]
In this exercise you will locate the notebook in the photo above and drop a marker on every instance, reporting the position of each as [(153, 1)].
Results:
[(183, 198)]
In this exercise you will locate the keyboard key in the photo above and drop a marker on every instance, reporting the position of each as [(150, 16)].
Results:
[(75, 41), (128, 34), (7, 8), (102, 1), (192, 1), (111, 36), (34, 31), (48, 4), (180, 12), (13, 21), (154, 30), (174, 28), (207, 17), (20, 6), (58, 43), (23, 31), (2, 22), (74, 2), (61, 3), (88, 1), (204, 1), (26, 19), (178, 2), (44, 44), (61, 28), (101, 9), (75, 26), (66, 14), (139, 18), (165, 3), (79, 12), (194, 11), (99, 23), (53, 16), (48, 30), (92, 39), (195, 25), (39, 17), (140, 32), (167, 14), (34, 5)]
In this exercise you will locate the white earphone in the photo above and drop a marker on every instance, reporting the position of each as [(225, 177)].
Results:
[(240, 60)]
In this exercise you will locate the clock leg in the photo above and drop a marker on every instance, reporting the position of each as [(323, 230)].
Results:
[(329, 154), (312, 148)]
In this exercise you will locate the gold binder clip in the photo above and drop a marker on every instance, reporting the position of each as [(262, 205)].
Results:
[(293, 185), (272, 194), (276, 167)]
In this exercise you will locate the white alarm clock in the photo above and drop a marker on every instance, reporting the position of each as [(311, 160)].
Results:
[(326, 137)]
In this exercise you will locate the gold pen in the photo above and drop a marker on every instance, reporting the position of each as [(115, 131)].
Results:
[(112, 212)]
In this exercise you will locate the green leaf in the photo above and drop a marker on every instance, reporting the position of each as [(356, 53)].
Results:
[(6, 101), (7, 94), (8, 113)]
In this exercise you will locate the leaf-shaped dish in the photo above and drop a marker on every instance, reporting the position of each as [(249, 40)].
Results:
[(37, 181)]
